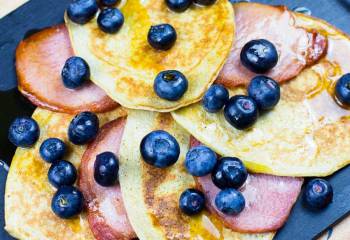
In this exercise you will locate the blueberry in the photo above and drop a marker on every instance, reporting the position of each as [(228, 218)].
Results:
[(191, 202), (82, 11), (215, 98), (159, 149), (241, 112), (229, 172), (110, 20), (230, 201), (205, 2), (178, 5), (342, 89), (265, 91), (200, 161), (318, 193), (109, 3), (106, 169), (162, 36), (67, 202), (23, 132), (83, 128), (62, 173), (259, 56), (75, 72), (52, 150), (170, 85)]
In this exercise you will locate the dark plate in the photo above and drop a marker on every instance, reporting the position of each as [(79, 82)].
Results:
[(38, 14)]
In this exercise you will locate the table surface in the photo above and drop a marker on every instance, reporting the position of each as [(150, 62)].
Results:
[(340, 232)]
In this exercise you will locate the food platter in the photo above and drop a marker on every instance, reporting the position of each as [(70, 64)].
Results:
[(36, 15)]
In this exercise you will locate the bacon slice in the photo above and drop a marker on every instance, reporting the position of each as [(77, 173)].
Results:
[(269, 200), (296, 47), (106, 212), (39, 61)]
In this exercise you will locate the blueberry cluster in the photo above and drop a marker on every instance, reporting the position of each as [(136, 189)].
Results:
[(110, 19), (68, 200), (227, 173), (160, 149), (242, 111)]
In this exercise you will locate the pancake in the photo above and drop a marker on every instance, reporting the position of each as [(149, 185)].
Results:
[(28, 214), (151, 195), (306, 134), (39, 62), (125, 65)]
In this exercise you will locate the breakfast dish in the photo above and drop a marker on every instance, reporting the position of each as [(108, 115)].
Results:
[(176, 119)]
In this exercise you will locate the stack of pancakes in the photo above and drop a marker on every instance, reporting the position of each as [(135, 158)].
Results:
[(305, 135)]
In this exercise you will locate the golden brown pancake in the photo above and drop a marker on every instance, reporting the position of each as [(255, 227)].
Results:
[(306, 134), (28, 213), (125, 65)]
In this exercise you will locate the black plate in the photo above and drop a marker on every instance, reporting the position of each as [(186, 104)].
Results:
[(38, 14)]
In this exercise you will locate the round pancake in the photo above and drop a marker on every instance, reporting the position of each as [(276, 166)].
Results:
[(306, 134), (125, 65), (151, 194), (28, 214)]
